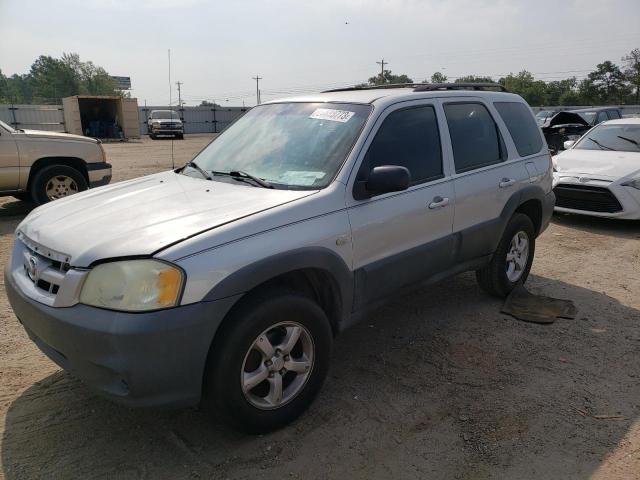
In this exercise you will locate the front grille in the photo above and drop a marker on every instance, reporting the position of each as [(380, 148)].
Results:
[(587, 198), (45, 273)]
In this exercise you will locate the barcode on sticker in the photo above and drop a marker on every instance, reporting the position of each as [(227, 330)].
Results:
[(331, 114)]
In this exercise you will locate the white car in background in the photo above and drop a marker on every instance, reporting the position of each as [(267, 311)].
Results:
[(600, 173)]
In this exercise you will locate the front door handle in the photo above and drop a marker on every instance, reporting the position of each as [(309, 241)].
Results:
[(439, 202), (506, 182)]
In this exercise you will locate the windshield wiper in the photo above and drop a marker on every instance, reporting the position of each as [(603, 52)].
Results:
[(631, 140), (238, 174), (602, 147), (200, 170)]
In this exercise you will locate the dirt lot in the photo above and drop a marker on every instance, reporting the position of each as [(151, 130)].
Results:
[(437, 384)]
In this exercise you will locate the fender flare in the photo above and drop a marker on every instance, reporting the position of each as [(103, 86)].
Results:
[(530, 192), (257, 273)]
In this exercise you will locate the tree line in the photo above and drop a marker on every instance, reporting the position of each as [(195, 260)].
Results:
[(608, 84), (51, 79)]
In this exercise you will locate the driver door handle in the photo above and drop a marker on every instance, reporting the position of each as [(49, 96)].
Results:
[(506, 182), (439, 202)]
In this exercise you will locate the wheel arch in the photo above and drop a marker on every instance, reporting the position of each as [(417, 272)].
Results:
[(73, 162), (316, 272)]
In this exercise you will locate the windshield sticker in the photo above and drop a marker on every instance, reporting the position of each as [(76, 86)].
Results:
[(301, 177), (342, 116)]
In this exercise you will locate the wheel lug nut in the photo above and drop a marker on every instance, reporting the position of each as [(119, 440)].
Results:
[(268, 363), (270, 374), (287, 358), (283, 371)]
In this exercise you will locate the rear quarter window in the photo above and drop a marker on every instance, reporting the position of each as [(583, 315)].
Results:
[(522, 127)]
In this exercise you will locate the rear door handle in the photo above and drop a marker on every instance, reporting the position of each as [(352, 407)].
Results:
[(439, 202), (506, 182)]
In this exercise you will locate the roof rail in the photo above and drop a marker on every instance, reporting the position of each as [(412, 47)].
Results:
[(374, 87), (426, 87)]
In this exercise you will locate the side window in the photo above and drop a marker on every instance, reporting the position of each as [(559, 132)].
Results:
[(614, 114), (475, 137), (408, 138), (522, 127), (602, 116)]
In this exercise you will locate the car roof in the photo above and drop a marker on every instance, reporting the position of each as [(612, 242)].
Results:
[(387, 96)]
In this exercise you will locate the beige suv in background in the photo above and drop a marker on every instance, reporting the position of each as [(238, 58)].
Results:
[(41, 166)]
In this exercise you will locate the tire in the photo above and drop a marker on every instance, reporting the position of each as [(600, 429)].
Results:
[(233, 357), (180, 136), (152, 136), (58, 179), (497, 278)]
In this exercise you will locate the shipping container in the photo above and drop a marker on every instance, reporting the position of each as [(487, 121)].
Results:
[(104, 117)]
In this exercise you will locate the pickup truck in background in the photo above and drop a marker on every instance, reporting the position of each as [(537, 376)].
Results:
[(41, 166)]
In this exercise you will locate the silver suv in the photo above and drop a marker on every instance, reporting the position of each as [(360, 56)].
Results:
[(225, 281)]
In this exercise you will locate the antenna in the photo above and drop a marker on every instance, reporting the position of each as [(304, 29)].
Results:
[(173, 165)]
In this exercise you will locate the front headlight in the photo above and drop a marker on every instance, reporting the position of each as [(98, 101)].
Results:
[(635, 183), (133, 285)]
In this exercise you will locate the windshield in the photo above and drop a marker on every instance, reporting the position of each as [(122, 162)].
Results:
[(7, 127), (544, 113), (290, 145), (620, 137), (588, 116), (157, 114)]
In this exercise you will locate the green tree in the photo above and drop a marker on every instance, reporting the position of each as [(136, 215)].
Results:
[(557, 90), (609, 81), (389, 78), (52, 79), (632, 72), (438, 77), (93, 80), (473, 79), (532, 90)]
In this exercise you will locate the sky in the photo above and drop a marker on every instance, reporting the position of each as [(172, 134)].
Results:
[(300, 46)]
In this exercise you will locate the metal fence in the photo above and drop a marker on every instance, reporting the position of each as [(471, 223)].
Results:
[(51, 117), (197, 119), (627, 110), (34, 117)]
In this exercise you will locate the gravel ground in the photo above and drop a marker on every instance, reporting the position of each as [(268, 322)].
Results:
[(437, 384)]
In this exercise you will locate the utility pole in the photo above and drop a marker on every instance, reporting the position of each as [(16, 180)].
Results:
[(257, 79), (382, 63), (179, 84)]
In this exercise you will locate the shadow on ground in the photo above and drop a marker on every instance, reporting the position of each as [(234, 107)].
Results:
[(436, 384), (601, 226)]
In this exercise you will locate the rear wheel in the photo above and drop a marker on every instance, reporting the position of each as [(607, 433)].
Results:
[(512, 259), (268, 361), (56, 181)]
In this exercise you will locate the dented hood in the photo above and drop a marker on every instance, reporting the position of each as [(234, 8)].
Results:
[(598, 164), (142, 216)]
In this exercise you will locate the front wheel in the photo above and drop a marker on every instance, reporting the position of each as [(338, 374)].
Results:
[(512, 259), (268, 361), (56, 181)]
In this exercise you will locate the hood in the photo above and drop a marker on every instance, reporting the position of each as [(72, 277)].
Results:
[(56, 135), (598, 164), (166, 120), (142, 216), (565, 118)]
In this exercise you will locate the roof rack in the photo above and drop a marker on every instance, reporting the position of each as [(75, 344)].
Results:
[(426, 87)]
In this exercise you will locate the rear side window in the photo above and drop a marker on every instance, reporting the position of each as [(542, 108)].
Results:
[(602, 117), (475, 137), (408, 138), (521, 126), (614, 114)]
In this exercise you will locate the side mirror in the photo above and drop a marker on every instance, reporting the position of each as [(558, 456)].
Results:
[(568, 144), (384, 179)]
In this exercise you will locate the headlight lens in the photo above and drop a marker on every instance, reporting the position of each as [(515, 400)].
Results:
[(133, 285), (635, 183)]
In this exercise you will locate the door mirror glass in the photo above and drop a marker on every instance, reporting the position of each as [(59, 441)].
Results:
[(385, 179), (568, 144)]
